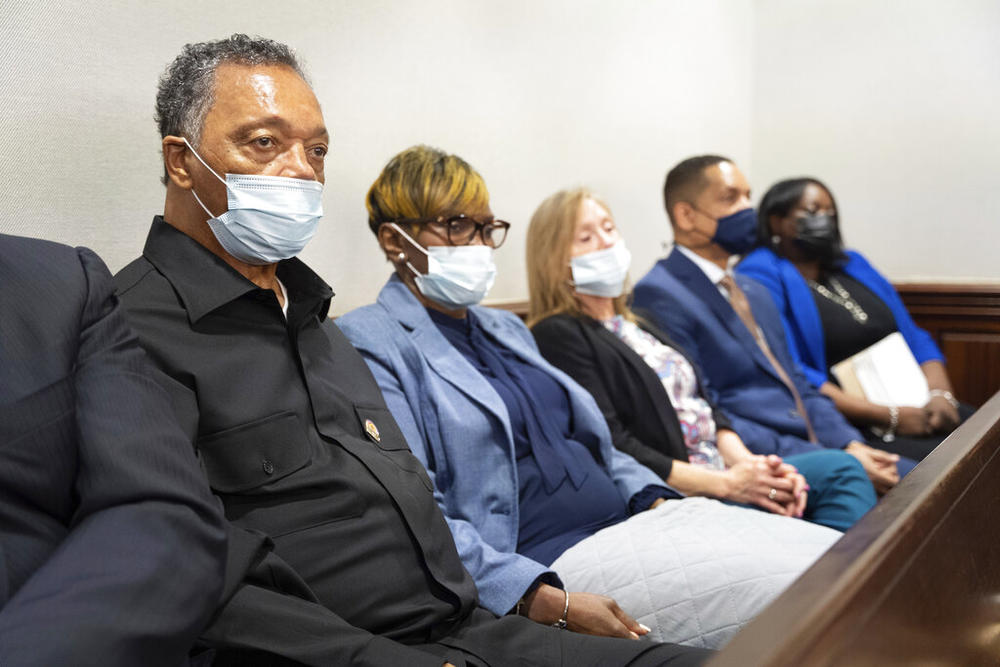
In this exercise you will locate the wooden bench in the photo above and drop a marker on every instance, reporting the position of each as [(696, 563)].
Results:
[(916, 581)]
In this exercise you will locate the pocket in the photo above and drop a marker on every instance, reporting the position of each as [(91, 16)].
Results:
[(247, 456), (377, 425)]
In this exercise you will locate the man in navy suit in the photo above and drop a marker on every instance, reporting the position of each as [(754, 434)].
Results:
[(112, 548), (731, 327)]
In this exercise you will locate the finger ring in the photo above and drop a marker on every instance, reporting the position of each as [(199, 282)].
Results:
[(772, 494)]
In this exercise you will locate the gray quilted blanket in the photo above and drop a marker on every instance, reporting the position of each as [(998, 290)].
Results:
[(694, 570)]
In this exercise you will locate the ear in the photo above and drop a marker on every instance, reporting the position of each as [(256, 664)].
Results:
[(400, 251), (174, 153), (684, 216), (774, 224), (391, 242)]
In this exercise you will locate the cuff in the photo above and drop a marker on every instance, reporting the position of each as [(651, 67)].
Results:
[(641, 500)]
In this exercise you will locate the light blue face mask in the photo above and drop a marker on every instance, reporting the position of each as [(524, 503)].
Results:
[(602, 272), (270, 218), (457, 276)]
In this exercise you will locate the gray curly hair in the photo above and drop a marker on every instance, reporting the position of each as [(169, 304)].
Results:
[(186, 90)]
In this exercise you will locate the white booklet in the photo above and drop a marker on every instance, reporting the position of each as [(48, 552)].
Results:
[(885, 373)]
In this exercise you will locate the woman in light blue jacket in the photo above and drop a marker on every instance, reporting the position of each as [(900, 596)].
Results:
[(536, 496), (835, 304)]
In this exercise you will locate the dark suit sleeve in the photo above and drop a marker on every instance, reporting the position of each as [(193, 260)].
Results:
[(141, 568), (563, 344)]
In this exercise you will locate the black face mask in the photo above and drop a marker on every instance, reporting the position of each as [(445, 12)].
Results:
[(817, 236)]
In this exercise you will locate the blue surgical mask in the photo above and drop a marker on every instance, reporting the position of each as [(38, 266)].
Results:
[(270, 218), (457, 276), (737, 233), (602, 272)]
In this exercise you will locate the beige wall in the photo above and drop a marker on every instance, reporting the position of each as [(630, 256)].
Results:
[(537, 95), (895, 106)]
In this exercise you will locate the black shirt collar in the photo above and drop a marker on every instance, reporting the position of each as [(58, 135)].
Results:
[(204, 282)]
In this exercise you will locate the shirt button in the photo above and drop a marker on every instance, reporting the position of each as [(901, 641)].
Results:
[(268, 467)]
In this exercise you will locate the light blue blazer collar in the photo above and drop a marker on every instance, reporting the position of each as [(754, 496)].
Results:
[(397, 299)]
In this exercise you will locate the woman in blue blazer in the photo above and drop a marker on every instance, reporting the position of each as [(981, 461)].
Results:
[(537, 497), (835, 304)]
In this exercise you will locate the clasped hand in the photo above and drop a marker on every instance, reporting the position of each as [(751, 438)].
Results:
[(880, 465), (941, 414), (937, 415), (769, 482)]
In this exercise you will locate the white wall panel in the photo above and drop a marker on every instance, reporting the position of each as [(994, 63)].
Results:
[(536, 95)]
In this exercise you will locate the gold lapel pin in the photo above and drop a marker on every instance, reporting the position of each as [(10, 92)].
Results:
[(372, 430)]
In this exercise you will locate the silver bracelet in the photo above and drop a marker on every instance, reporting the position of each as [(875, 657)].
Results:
[(890, 433), (562, 622), (946, 395)]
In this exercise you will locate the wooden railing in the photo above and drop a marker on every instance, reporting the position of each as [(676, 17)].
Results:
[(965, 322), (916, 581)]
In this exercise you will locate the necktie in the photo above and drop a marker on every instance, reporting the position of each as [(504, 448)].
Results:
[(738, 300)]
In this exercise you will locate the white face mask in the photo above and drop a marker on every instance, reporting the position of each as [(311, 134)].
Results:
[(270, 218), (457, 276), (602, 272)]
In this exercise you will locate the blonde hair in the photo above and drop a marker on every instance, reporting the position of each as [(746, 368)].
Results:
[(423, 182), (549, 243)]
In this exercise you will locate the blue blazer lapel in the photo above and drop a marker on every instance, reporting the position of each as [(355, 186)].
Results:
[(443, 359), (688, 273), (805, 314)]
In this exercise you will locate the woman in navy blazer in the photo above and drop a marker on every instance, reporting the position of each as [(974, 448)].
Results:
[(695, 448), (694, 569), (834, 303)]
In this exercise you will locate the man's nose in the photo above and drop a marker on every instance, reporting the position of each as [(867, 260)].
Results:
[(295, 164)]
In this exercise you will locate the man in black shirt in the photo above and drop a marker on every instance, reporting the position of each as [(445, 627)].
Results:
[(338, 553)]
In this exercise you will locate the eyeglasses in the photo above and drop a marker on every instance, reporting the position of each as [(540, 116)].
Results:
[(461, 229)]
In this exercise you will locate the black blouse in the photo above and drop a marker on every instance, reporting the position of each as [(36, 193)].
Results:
[(844, 335)]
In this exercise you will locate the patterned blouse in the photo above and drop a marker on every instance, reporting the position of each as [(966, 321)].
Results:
[(679, 379)]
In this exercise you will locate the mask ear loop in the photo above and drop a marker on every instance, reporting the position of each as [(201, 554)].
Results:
[(214, 173), (415, 245)]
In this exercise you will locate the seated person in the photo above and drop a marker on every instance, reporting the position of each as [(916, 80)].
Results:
[(648, 389), (535, 493), (731, 328), (112, 549), (338, 552), (834, 304)]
